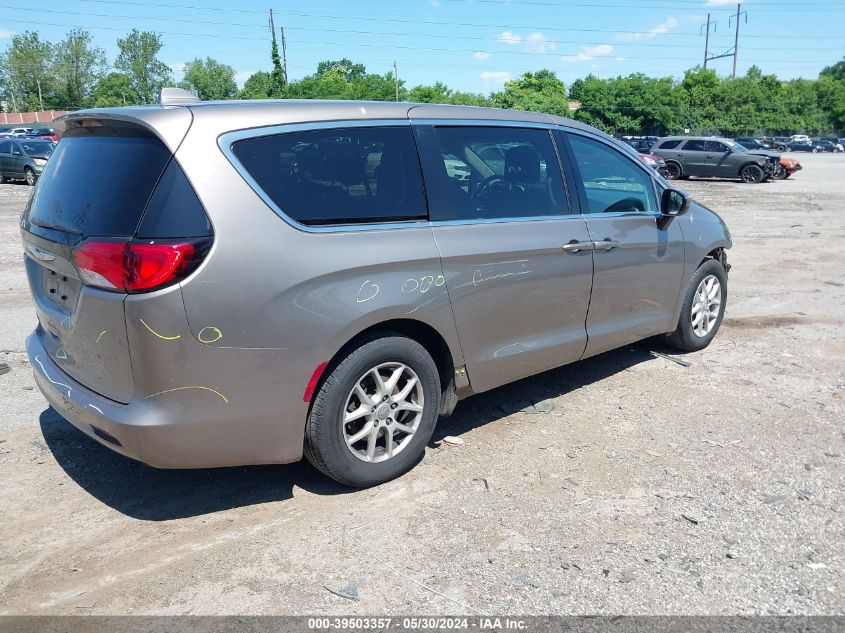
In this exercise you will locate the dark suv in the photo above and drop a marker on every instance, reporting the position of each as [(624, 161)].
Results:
[(714, 157)]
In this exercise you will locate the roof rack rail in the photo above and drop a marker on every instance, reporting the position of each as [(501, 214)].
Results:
[(177, 96)]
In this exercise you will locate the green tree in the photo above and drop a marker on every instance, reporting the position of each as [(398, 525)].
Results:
[(26, 73), (114, 89), (138, 60), (278, 80), (211, 79), (539, 91), (259, 85), (436, 93), (76, 66)]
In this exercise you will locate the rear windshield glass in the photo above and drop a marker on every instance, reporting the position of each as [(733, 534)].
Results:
[(98, 184), (338, 176)]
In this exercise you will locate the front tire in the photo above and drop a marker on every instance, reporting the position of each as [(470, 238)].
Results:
[(374, 414), (781, 173), (751, 174), (703, 309)]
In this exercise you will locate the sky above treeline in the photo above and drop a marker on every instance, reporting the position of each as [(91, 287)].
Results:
[(471, 45)]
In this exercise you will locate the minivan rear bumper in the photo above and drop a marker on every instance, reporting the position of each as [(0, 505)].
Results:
[(148, 433)]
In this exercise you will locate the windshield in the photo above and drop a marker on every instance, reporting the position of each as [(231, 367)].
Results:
[(736, 146), (37, 148)]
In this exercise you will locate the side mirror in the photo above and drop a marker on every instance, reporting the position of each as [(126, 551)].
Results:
[(673, 203)]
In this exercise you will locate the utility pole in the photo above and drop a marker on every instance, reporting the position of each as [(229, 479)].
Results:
[(731, 52), (396, 79), (40, 100), (272, 26), (284, 55), (736, 38)]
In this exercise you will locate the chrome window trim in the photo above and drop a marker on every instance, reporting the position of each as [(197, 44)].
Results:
[(534, 218), (484, 123), (227, 140)]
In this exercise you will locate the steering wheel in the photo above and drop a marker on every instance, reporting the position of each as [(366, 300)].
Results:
[(485, 187)]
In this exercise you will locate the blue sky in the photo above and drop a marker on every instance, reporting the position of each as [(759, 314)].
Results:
[(472, 45)]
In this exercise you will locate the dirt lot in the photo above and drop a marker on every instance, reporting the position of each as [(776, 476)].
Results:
[(650, 487)]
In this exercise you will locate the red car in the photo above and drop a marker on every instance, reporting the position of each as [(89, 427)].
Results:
[(786, 168), (44, 133)]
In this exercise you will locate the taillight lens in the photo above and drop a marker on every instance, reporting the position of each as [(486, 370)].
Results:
[(136, 266)]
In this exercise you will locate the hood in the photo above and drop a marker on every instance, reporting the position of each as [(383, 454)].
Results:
[(764, 152)]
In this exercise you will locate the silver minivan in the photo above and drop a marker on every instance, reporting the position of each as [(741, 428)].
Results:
[(244, 282)]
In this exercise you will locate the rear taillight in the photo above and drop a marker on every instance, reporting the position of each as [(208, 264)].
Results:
[(137, 266)]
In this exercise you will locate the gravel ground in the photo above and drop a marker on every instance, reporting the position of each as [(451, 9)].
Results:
[(635, 486)]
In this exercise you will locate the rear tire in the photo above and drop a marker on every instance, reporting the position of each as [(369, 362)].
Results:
[(751, 174), (29, 176), (703, 308), (673, 171), (329, 440)]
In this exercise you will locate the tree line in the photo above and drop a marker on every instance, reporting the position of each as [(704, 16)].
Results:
[(74, 73)]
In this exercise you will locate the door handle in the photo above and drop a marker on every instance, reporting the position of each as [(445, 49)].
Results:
[(577, 247), (606, 245)]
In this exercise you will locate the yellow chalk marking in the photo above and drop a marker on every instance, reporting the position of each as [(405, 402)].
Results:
[(161, 336), (102, 334), (214, 331), (153, 395)]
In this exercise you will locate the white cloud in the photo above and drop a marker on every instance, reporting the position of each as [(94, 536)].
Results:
[(511, 39), (664, 27), (177, 68), (589, 52), (498, 76), (537, 43), (719, 3), (6, 33), (481, 56)]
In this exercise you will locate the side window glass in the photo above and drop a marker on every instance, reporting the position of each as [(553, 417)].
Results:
[(694, 146), (5, 147), (716, 147), (493, 172), (669, 144), (338, 176), (613, 183)]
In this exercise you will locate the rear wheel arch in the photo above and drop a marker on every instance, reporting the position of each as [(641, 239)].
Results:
[(418, 331)]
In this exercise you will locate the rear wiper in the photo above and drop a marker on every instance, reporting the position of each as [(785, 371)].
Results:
[(56, 227)]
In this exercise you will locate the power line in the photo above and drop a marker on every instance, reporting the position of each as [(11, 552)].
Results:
[(384, 33), (401, 20), (224, 36)]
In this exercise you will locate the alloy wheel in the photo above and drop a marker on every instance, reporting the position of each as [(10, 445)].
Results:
[(706, 305), (382, 412)]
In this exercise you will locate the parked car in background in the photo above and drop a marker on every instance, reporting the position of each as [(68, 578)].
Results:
[(751, 143), (20, 131), (701, 156), (46, 133), (800, 146), (640, 144), (826, 146), (652, 160), (786, 167), (799, 137), (778, 143), (23, 159), (202, 303)]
